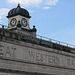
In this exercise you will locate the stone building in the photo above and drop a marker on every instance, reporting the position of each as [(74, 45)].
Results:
[(23, 53)]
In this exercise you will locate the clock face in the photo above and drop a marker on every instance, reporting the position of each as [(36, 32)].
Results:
[(13, 22), (24, 22)]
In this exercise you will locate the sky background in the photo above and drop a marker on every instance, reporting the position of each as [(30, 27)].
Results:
[(54, 19)]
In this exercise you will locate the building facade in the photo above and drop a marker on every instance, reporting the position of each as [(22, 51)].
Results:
[(22, 53)]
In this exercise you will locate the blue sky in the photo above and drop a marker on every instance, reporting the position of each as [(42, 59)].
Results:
[(54, 19)]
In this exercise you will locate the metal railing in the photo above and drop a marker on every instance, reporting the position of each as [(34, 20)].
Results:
[(55, 41), (46, 39)]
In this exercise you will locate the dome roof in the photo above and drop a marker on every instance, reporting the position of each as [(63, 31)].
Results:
[(18, 11)]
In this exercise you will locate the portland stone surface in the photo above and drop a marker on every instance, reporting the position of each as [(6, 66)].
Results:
[(35, 59)]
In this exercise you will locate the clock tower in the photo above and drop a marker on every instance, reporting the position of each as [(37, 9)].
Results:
[(18, 21)]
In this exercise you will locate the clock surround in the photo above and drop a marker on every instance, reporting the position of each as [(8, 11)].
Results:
[(24, 22), (13, 22)]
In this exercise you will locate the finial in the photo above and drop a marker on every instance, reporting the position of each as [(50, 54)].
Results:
[(18, 4), (33, 26)]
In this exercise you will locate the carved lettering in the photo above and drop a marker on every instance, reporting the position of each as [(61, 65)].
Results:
[(31, 55), (50, 59), (5, 51), (55, 60), (1, 50), (68, 62), (37, 56), (73, 63), (14, 52), (41, 58), (8, 53)]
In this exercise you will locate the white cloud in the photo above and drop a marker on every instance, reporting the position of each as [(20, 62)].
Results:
[(47, 7), (0, 21), (26, 2), (31, 11), (0, 16), (51, 2), (3, 13), (34, 3)]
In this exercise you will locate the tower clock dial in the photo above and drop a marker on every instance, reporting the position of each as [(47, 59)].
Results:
[(24, 22), (13, 22)]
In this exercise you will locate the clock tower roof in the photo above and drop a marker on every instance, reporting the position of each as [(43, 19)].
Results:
[(18, 11)]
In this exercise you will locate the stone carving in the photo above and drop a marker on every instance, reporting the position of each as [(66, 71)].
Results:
[(43, 58), (1, 50), (33, 56), (8, 53)]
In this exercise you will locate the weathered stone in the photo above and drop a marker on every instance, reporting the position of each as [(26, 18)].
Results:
[(32, 58)]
